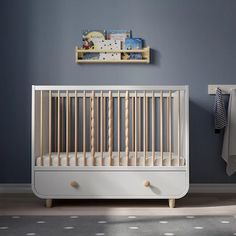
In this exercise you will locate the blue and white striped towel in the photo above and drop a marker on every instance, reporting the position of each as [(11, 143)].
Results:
[(219, 110)]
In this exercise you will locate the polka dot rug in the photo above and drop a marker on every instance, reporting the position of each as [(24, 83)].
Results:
[(133, 225)]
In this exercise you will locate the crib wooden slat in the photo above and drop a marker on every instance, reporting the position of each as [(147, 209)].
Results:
[(110, 128), (153, 129), (97, 124), (167, 122), (170, 128), (62, 124), (69, 120), (147, 126), (67, 126), (84, 128), (58, 127), (104, 123), (127, 127), (55, 124), (41, 127), (135, 123), (118, 127), (92, 130), (101, 128), (139, 124), (76, 129), (50, 127), (178, 129), (161, 127), (144, 128)]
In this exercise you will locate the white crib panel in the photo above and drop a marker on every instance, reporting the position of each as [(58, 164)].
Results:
[(110, 184)]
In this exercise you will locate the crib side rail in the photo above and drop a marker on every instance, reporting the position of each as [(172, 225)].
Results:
[(110, 125)]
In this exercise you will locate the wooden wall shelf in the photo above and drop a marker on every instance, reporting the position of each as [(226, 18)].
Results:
[(79, 56)]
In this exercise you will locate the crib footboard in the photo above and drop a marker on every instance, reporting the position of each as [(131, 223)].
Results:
[(118, 142)]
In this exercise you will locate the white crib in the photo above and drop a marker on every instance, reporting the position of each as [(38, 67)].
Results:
[(113, 142)]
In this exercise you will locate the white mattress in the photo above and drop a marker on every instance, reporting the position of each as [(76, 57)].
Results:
[(115, 160)]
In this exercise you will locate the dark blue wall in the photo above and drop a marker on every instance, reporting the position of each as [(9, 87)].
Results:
[(193, 43)]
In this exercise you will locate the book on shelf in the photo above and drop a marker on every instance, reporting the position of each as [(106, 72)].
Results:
[(91, 39), (133, 43), (121, 35), (109, 45)]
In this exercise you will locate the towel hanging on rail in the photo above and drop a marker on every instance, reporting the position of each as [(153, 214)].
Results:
[(219, 110), (229, 144)]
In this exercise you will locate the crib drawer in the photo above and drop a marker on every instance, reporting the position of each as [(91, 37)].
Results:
[(110, 184)]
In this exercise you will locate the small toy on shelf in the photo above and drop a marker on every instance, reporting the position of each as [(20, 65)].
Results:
[(87, 44)]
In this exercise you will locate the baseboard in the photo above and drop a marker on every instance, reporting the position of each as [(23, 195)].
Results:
[(212, 188), (194, 188), (15, 188)]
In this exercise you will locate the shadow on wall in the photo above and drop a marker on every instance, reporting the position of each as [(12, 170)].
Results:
[(155, 57), (205, 147)]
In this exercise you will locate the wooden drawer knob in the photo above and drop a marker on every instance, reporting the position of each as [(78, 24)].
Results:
[(74, 184), (147, 183)]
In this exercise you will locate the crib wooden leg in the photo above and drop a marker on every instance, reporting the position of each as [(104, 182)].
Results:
[(171, 203), (48, 203)]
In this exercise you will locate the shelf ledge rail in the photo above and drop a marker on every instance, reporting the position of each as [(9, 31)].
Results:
[(79, 55)]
